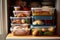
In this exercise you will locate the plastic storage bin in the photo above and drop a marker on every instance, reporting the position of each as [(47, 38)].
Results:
[(18, 31), (43, 31), (22, 13), (20, 25), (41, 21), (42, 11), (20, 20)]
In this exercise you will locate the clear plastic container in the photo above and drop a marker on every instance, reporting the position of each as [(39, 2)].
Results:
[(43, 31), (42, 11), (18, 31), (37, 22), (42, 21), (20, 25), (22, 13), (20, 20)]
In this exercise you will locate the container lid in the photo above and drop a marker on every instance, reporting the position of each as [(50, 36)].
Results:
[(19, 17), (42, 26), (42, 8), (15, 28), (19, 24), (20, 11)]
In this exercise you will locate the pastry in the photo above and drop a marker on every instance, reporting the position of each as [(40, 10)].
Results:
[(16, 22), (22, 21), (51, 29), (38, 22), (44, 29), (21, 15), (35, 32)]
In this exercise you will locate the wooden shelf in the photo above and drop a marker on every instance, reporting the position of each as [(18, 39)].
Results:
[(11, 36)]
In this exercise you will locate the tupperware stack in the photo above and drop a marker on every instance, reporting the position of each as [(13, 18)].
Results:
[(42, 21), (36, 22), (20, 22)]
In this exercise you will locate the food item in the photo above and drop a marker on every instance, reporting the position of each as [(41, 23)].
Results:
[(36, 12), (35, 32), (22, 13), (44, 29), (40, 33), (21, 32), (44, 11), (16, 21), (41, 13), (28, 14), (34, 23), (27, 21), (23, 21), (20, 20), (17, 8), (38, 22), (20, 26), (25, 26), (48, 9), (51, 29), (48, 33), (17, 31)]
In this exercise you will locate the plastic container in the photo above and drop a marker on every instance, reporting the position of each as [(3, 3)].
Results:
[(18, 31), (16, 8), (44, 11), (37, 22), (20, 20), (42, 21), (20, 25), (43, 31), (22, 13)]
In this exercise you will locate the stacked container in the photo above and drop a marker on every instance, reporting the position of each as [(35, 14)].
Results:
[(20, 22), (42, 21)]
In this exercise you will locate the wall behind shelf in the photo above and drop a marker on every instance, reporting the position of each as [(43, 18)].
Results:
[(0, 16), (1, 20), (58, 16)]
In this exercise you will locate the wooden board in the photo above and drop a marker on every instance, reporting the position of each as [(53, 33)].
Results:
[(11, 36)]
